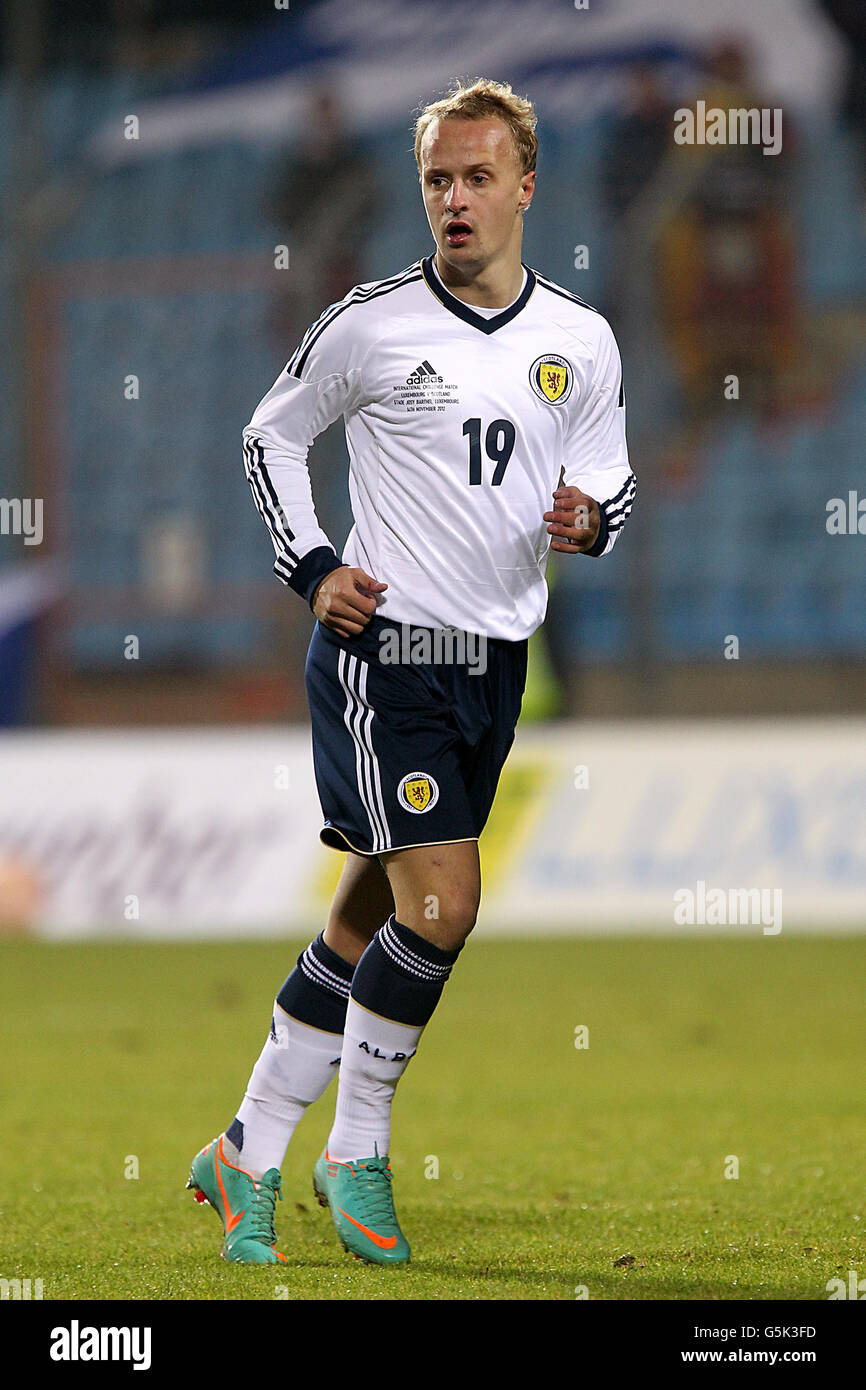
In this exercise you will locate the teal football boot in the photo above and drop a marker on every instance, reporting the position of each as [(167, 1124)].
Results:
[(362, 1208)]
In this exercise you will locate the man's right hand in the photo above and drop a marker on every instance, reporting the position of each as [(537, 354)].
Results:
[(344, 600)]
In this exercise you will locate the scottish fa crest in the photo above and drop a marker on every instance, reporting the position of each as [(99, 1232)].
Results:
[(551, 378), (417, 792)]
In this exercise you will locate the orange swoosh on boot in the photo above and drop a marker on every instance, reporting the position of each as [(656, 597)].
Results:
[(230, 1220), (383, 1242)]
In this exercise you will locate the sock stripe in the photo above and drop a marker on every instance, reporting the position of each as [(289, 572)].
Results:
[(407, 960), (319, 974), (318, 989)]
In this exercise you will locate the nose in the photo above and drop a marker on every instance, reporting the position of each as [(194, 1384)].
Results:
[(456, 199)]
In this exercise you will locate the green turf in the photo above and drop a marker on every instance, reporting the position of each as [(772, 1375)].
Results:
[(558, 1168)]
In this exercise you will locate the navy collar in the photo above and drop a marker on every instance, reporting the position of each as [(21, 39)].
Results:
[(465, 311)]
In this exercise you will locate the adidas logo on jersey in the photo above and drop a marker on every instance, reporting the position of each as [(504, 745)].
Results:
[(422, 375)]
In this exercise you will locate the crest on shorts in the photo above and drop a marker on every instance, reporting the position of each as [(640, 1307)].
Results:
[(551, 378), (417, 792)]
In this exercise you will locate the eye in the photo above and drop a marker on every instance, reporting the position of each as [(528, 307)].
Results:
[(482, 177)]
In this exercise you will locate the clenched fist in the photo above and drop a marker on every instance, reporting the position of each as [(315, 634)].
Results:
[(575, 518), (344, 600)]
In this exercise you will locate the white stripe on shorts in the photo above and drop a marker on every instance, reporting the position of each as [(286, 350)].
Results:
[(357, 717)]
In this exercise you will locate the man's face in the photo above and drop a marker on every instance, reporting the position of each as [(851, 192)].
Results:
[(474, 191)]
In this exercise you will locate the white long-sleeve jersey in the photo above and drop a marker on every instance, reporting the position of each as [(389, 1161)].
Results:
[(459, 425)]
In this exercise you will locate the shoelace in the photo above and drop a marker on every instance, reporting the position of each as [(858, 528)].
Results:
[(376, 1195), (262, 1215)]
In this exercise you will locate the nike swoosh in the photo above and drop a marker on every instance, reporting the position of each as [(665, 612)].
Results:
[(230, 1220), (383, 1242)]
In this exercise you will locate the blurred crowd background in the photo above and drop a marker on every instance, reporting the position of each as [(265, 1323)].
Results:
[(156, 156)]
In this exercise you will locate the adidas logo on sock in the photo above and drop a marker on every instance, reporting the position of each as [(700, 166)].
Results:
[(423, 374)]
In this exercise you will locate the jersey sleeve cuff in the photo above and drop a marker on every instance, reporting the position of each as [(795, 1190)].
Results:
[(310, 571), (601, 540)]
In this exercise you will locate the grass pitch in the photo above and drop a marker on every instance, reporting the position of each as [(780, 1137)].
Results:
[(563, 1171)]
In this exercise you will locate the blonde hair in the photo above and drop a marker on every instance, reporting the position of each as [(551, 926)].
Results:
[(479, 101)]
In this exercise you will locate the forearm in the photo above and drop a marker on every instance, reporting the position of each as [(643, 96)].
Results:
[(280, 485), (614, 511)]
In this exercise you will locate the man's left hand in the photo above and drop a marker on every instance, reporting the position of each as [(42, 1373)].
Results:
[(575, 519)]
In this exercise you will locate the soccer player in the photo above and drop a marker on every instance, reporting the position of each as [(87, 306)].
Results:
[(481, 401)]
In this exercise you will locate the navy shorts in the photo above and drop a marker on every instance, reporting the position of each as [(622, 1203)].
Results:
[(408, 750)]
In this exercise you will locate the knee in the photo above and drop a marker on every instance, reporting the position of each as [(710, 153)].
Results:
[(449, 917)]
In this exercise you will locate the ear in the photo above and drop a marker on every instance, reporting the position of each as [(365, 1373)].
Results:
[(527, 188)]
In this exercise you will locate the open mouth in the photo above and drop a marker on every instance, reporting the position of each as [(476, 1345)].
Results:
[(457, 233)]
